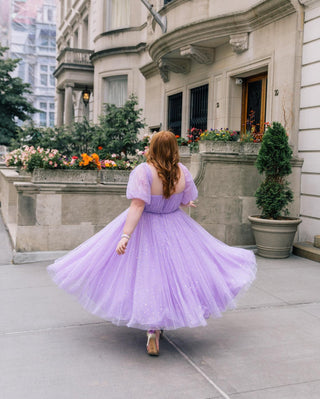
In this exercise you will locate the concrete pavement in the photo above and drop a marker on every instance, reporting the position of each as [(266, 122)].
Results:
[(269, 348)]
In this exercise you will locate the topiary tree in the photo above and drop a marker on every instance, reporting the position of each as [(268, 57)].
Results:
[(274, 193)]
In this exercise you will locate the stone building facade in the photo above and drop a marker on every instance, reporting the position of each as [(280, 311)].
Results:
[(309, 126), (196, 63)]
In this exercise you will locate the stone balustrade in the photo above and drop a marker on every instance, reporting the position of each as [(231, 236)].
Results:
[(75, 56)]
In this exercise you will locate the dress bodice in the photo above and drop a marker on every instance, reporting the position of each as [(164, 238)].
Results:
[(139, 186), (159, 204)]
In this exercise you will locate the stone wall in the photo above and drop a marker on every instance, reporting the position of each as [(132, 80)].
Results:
[(52, 217), (226, 184)]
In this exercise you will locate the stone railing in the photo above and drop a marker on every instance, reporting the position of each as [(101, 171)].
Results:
[(75, 56)]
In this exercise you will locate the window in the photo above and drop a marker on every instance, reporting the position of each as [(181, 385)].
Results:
[(76, 39), (51, 119), (116, 90), (253, 113), (52, 79), (52, 106), (199, 107), (117, 14), (85, 33), (21, 70), (62, 6), (175, 113), (31, 74), (43, 119), (50, 15), (44, 79), (167, 1), (43, 105)]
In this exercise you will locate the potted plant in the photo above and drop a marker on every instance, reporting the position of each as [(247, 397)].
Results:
[(273, 230)]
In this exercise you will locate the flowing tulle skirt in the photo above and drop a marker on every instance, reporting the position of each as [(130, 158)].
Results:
[(174, 273)]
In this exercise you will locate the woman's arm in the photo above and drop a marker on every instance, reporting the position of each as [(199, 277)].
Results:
[(135, 211)]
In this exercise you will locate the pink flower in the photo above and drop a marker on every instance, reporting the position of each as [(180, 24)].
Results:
[(114, 156), (50, 162), (55, 164)]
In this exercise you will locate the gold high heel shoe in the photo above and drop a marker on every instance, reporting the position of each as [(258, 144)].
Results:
[(152, 347)]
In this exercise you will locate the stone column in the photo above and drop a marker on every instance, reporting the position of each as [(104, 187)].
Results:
[(60, 107), (68, 114)]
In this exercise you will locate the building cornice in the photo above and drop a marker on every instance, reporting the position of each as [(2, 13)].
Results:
[(118, 50), (149, 70), (247, 21), (74, 67), (122, 30)]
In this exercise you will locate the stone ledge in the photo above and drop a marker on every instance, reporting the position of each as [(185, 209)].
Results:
[(306, 250), (37, 256)]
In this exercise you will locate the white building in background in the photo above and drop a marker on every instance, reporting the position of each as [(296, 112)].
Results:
[(212, 64), (33, 39)]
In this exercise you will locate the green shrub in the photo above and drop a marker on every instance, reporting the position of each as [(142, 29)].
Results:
[(274, 193), (119, 127)]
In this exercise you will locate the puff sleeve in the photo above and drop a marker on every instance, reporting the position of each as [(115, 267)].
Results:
[(190, 192), (139, 184)]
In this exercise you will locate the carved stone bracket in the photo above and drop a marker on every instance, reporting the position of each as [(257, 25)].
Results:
[(176, 65), (202, 55), (239, 43), (164, 73)]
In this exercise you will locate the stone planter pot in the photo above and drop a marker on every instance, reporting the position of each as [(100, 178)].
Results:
[(274, 238), (114, 176), (229, 147), (70, 176), (184, 150)]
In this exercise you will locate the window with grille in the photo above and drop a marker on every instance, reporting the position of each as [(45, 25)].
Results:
[(175, 113), (199, 107)]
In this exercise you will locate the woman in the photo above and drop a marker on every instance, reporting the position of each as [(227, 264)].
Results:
[(166, 271)]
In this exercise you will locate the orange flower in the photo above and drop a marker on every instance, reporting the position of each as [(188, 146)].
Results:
[(95, 157)]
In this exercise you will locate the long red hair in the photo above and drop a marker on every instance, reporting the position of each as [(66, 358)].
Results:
[(163, 154)]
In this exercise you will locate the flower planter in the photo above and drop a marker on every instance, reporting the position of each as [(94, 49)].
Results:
[(114, 176), (224, 147), (250, 148), (229, 147), (23, 172), (70, 176), (274, 238), (184, 150)]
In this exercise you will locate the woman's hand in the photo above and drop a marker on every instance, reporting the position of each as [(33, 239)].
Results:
[(190, 204), (122, 245)]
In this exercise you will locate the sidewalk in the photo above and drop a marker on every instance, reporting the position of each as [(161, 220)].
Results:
[(269, 348)]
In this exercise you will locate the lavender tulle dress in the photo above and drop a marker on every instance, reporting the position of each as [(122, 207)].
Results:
[(174, 273)]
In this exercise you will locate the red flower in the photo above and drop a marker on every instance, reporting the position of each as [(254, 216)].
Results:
[(74, 157), (99, 148), (177, 136)]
